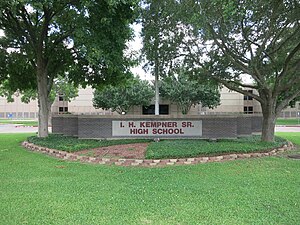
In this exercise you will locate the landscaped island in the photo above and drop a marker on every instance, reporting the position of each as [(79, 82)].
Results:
[(163, 149)]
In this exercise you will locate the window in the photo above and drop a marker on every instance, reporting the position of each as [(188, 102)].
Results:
[(62, 109), (248, 109), (247, 97), (20, 115), (60, 98), (150, 110)]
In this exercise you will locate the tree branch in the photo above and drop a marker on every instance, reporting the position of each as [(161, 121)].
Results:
[(62, 37), (45, 27), (235, 60), (285, 41), (286, 102), (28, 24), (245, 85), (14, 25), (249, 42), (289, 58), (50, 84), (232, 86)]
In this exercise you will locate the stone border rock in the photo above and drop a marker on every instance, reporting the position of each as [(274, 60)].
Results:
[(153, 162)]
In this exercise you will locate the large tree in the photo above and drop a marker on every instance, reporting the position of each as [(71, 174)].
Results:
[(228, 40), (44, 39), (120, 98)]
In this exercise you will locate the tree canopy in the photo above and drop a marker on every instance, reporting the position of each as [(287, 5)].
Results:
[(259, 39), (83, 40), (186, 92), (226, 40), (120, 98)]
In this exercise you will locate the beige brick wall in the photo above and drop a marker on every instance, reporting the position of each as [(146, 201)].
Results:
[(18, 109), (231, 102), (83, 104)]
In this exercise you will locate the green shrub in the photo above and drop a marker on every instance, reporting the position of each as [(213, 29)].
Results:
[(73, 144), (193, 148)]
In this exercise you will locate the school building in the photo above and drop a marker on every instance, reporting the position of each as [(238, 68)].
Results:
[(231, 103)]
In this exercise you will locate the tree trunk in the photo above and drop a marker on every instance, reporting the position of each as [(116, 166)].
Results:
[(42, 103), (184, 108), (269, 120)]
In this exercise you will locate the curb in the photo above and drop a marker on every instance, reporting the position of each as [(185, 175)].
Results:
[(24, 126), (154, 162)]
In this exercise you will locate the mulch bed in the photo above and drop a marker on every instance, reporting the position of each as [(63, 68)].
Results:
[(127, 151)]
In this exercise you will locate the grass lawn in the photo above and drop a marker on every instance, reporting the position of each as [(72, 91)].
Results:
[(20, 122), (291, 136), (282, 121), (38, 189)]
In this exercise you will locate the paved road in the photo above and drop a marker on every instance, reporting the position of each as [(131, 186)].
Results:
[(287, 129), (12, 128)]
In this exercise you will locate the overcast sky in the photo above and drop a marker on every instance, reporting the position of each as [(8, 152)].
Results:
[(136, 45)]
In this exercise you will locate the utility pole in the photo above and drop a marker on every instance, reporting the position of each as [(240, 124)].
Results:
[(156, 87)]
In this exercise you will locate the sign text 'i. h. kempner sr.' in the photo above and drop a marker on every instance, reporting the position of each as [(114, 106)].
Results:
[(189, 128)]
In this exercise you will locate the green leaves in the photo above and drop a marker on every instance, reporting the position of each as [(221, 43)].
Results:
[(160, 33), (186, 92), (81, 40), (121, 98), (84, 38), (258, 38)]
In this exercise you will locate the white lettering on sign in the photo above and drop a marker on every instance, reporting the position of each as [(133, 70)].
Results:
[(182, 128)]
